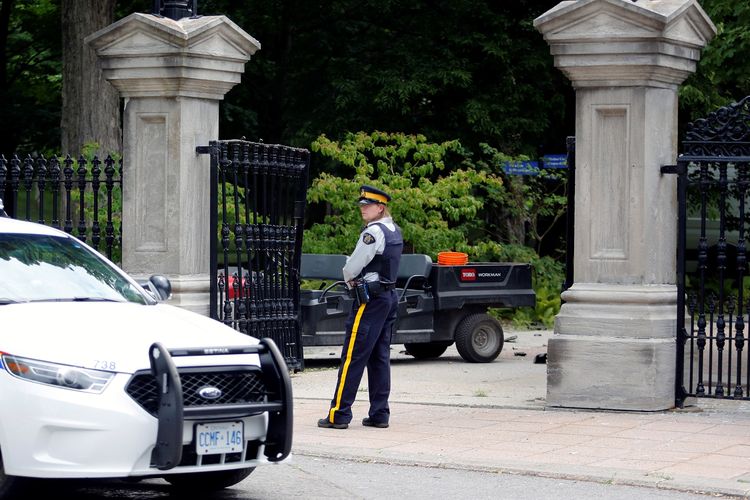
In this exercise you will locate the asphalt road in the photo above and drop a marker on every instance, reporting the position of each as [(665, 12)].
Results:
[(313, 478)]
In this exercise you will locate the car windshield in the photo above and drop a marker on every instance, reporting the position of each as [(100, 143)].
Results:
[(36, 268)]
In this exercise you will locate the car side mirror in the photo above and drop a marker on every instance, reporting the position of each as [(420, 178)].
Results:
[(159, 286)]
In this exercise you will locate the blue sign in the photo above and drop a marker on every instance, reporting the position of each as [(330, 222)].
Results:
[(524, 167), (555, 161)]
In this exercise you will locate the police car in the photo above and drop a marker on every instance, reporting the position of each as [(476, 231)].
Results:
[(100, 379)]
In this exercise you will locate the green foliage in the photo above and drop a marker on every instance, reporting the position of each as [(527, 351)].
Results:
[(723, 73), (473, 70), (438, 208), (30, 76), (549, 275), (433, 205), (529, 207)]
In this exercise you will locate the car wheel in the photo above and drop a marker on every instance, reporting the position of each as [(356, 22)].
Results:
[(479, 338), (427, 350), (208, 481), (10, 486)]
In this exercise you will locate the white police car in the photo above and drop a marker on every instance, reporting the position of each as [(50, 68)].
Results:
[(100, 380)]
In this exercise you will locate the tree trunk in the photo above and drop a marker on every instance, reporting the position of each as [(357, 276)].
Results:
[(90, 105)]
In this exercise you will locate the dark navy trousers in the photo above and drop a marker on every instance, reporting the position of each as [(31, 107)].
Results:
[(367, 344)]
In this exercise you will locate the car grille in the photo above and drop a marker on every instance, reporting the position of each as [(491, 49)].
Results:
[(236, 386), (191, 458)]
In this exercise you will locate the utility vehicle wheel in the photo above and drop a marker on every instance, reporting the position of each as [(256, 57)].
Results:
[(208, 481), (427, 350), (479, 338)]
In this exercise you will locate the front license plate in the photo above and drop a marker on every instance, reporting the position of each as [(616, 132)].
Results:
[(219, 437)]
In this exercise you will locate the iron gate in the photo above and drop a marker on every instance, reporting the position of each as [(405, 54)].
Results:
[(712, 279), (257, 212)]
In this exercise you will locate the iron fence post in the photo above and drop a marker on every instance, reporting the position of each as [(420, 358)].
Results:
[(681, 335), (212, 150), (570, 143)]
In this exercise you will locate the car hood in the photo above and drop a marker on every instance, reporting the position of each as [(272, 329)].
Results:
[(114, 336)]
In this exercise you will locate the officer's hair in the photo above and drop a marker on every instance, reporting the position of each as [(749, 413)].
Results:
[(386, 212)]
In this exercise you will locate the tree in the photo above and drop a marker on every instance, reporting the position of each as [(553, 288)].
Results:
[(29, 76), (473, 70), (528, 208), (90, 105), (723, 74)]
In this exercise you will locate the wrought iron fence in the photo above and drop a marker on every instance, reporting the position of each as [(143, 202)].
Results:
[(81, 197), (712, 276)]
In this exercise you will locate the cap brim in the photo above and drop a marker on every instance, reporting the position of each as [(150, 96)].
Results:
[(365, 201)]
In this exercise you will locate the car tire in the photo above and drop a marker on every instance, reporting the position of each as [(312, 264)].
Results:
[(479, 338), (10, 486), (426, 350), (208, 481)]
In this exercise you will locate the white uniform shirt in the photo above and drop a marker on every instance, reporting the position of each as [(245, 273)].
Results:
[(371, 243)]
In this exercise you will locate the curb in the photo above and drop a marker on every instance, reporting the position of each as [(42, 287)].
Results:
[(614, 476)]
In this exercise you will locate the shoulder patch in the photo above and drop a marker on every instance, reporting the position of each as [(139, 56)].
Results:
[(368, 239)]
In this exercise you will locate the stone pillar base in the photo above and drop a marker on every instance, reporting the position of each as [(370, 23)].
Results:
[(614, 348), (191, 292)]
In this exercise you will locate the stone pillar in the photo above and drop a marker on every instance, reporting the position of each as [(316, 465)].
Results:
[(613, 345), (172, 75)]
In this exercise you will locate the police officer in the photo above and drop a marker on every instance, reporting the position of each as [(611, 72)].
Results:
[(368, 330)]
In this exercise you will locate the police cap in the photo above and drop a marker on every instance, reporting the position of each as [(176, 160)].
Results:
[(369, 194)]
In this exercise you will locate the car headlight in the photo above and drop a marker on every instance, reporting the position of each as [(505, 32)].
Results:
[(68, 377)]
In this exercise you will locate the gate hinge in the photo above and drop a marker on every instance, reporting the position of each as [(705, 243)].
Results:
[(299, 209), (203, 150), (678, 169)]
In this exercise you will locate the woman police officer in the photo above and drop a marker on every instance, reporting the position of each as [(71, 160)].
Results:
[(374, 261)]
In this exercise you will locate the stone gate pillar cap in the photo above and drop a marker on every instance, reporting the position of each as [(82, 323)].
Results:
[(666, 9), (181, 33), (146, 55), (625, 43)]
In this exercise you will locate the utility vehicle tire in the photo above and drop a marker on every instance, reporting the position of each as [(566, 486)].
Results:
[(479, 338), (208, 481), (427, 350)]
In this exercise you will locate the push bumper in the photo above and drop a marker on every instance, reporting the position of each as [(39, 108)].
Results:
[(171, 415)]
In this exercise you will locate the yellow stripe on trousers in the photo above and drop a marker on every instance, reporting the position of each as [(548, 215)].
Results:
[(347, 361)]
